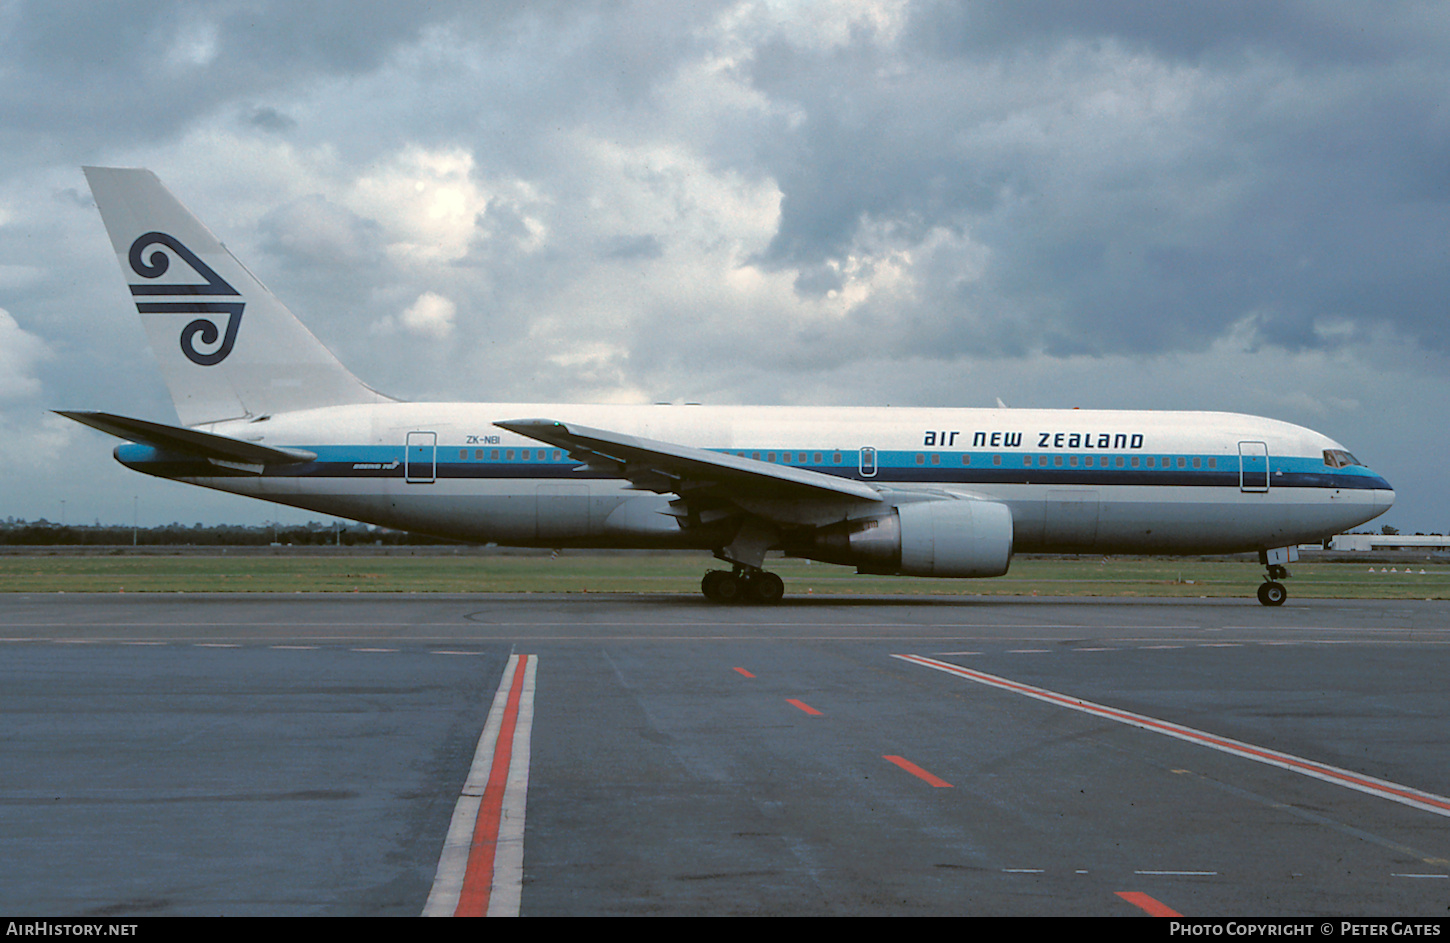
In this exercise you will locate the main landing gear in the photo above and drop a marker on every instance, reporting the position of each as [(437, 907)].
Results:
[(742, 585)]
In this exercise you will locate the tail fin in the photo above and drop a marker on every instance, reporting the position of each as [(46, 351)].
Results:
[(192, 295)]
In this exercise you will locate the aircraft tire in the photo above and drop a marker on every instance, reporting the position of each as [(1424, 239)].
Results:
[(766, 588), (721, 586), (1273, 594)]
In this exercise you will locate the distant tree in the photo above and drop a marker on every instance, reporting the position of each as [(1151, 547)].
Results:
[(1389, 531)]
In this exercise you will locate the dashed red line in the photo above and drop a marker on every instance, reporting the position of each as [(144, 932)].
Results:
[(1153, 908), (918, 772), (804, 706)]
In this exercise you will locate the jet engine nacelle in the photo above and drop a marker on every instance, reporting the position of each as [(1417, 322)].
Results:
[(923, 538)]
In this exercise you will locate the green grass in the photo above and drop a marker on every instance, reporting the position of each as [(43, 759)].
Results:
[(199, 571)]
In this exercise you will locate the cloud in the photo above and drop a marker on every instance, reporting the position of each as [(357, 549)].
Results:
[(20, 354), (745, 201), (430, 316)]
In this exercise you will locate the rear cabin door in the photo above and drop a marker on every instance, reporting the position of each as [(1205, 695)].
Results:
[(420, 460)]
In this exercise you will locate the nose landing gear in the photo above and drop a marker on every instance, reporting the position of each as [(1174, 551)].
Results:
[(1271, 591)]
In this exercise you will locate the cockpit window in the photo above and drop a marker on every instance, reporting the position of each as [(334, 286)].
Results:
[(1338, 458)]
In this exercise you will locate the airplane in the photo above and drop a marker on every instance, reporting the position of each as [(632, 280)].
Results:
[(267, 411)]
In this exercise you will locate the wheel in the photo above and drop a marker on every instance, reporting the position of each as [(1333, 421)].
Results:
[(765, 588), (720, 586), (1273, 594)]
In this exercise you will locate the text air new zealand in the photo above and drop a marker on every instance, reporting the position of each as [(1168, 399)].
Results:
[(267, 411)]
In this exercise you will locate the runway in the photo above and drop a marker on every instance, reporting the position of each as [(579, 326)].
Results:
[(304, 754)]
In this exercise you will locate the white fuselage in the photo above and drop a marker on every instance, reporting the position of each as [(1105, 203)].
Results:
[(1074, 480)]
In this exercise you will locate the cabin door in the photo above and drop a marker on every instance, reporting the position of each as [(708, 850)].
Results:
[(868, 462), (1253, 466), (420, 459)]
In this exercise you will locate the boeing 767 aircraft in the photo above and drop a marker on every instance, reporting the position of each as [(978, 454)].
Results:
[(267, 411)]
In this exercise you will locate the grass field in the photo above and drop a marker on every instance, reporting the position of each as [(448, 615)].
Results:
[(199, 571)]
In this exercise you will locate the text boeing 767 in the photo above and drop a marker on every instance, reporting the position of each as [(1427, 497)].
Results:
[(267, 411)]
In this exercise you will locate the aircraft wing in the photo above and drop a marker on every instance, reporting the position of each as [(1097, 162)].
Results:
[(693, 474), (192, 442)]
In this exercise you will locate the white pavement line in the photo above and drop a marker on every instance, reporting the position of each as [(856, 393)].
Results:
[(508, 867), (1383, 788)]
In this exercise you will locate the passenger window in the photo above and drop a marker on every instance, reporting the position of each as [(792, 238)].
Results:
[(920, 459), (817, 458), (463, 455)]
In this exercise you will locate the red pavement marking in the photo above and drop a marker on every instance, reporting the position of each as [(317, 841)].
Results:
[(918, 772), (1144, 902)]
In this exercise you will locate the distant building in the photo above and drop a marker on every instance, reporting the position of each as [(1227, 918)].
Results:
[(1388, 541)]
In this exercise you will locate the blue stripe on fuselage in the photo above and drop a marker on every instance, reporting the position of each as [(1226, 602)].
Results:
[(900, 467)]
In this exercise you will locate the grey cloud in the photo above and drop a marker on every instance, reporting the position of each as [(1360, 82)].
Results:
[(1307, 30), (1301, 178), (623, 248), (314, 231), (1111, 183), (269, 119), (88, 75)]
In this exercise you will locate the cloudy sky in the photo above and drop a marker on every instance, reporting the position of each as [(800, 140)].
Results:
[(1229, 205)]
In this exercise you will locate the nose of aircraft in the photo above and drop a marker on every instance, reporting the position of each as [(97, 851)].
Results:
[(1382, 497)]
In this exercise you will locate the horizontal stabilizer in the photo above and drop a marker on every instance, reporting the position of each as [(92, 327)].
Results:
[(189, 441)]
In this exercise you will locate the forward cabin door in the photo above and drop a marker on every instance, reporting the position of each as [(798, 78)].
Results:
[(1253, 466), (420, 459)]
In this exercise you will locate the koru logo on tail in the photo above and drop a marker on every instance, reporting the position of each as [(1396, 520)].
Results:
[(205, 329)]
